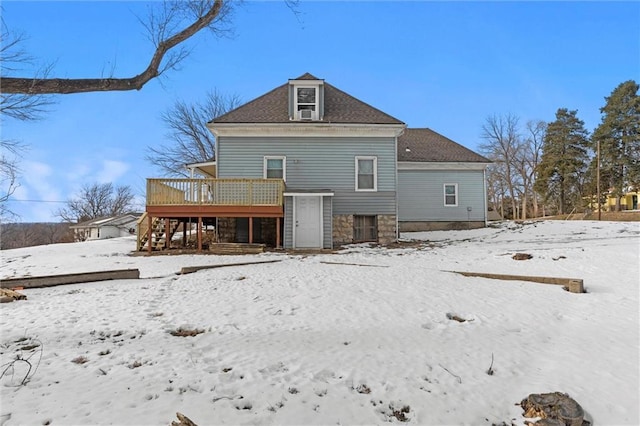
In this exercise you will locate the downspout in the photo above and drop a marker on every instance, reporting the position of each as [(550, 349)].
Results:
[(484, 200), (395, 154)]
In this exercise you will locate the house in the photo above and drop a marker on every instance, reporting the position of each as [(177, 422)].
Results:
[(308, 166), (105, 227), (628, 201)]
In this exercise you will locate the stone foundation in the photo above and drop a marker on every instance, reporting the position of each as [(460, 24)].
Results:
[(439, 226), (227, 229), (343, 229), (268, 231), (386, 229)]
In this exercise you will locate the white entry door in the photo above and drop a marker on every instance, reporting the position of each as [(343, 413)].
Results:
[(307, 222)]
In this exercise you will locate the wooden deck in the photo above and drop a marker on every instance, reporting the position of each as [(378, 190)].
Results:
[(214, 192), (172, 200)]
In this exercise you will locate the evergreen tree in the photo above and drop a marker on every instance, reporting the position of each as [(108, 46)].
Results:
[(619, 137), (564, 161)]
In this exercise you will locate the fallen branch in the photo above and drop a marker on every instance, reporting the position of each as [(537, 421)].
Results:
[(490, 370), (9, 367), (457, 377)]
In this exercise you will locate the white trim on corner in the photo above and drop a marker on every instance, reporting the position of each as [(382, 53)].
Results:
[(305, 128), (411, 165), (444, 194), (375, 172), (275, 157)]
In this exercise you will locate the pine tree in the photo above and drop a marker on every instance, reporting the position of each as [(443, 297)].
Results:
[(564, 161), (619, 137)]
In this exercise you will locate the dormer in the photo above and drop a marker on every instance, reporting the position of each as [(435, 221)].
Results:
[(306, 98)]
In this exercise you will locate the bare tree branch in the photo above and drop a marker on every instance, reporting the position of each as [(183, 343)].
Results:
[(13, 58), (503, 142), (97, 200), (190, 140), (204, 14), (10, 152)]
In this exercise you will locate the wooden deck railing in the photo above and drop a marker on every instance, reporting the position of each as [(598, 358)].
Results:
[(230, 192)]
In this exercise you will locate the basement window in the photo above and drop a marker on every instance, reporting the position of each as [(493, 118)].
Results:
[(365, 229)]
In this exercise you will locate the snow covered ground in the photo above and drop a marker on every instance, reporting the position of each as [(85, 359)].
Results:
[(323, 339)]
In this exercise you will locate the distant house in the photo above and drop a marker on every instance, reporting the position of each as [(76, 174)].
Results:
[(628, 201), (105, 227), (307, 165)]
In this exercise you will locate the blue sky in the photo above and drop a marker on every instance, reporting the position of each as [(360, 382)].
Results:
[(443, 65)]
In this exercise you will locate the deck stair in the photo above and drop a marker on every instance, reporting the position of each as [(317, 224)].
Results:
[(158, 236)]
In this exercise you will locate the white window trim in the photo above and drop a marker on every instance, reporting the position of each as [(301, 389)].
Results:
[(375, 173), (444, 194), (316, 110), (275, 157)]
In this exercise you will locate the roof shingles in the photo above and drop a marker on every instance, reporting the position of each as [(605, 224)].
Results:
[(339, 108), (425, 145)]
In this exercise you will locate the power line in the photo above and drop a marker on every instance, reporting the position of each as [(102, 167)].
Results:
[(35, 201)]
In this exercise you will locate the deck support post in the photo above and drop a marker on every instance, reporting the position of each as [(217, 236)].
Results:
[(277, 232), (184, 232), (250, 230), (167, 231), (199, 234), (149, 233)]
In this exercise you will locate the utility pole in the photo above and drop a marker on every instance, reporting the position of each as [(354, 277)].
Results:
[(598, 180)]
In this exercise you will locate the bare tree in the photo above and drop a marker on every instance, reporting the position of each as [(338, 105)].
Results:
[(169, 26), (16, 235), (10, 152), (97, 200), (502, 147), (534, 140), (13, 58), (190, 141)]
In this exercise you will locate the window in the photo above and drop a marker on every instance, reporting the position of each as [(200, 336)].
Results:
[(306, 100), (451, 194), (275, 167), (365, 228), (366, 173)]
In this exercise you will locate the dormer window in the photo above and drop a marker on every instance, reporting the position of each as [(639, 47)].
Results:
[(306, 98), (306, 103)]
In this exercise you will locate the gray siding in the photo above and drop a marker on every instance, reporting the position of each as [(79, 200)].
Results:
[(287, 238), (327, 219), (318, 163), (420, 195)]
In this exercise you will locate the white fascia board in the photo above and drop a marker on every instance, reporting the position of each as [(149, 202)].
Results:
[(308, 194), (306, 82), (414, 165), (195, 165), (313, 129)]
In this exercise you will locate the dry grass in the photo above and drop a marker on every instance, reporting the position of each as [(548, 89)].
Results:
[(186, 332), (80, 360), (623, 216)]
